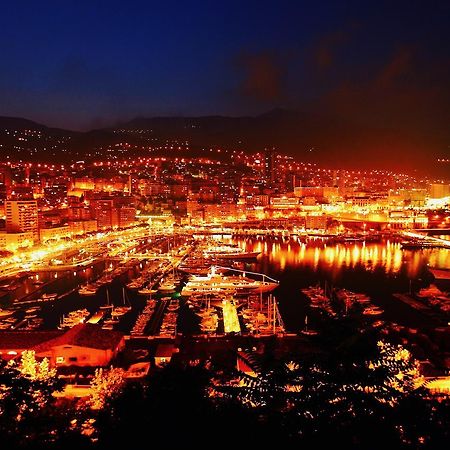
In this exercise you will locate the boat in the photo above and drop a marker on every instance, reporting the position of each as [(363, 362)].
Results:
[(51, 296), (440, 274), (229, 252), (209, 323), (143, 319), (74, 318), (6, 313), (88, 290), (106, 307), (318, 299), (217, 283), (372, 311), (430, 291), (119, 311), (138, 370), (167, 287), (147, 291), (109, 324), (135, 284), (308, 331)]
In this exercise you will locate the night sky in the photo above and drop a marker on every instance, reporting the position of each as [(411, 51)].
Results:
[(84, 64)]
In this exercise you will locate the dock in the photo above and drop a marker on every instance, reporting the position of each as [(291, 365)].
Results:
[(420, 306)]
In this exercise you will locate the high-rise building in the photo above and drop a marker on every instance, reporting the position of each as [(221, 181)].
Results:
[(106, 214), (269, 164), (22, 216)]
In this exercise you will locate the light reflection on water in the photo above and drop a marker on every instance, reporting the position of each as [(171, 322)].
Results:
[(387, 255), (378, 269)]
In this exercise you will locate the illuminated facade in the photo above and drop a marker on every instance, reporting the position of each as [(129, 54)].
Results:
[(22, 217)]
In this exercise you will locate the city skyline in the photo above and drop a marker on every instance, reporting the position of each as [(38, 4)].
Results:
[(352, 70), (224, 225)]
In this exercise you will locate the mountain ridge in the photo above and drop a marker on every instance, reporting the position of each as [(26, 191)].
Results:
[(323, 139)]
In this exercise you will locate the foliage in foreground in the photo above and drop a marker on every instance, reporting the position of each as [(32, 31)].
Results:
[(361, 396)]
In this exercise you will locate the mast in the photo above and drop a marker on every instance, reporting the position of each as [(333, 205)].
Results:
[(261, 297), (274, 316)]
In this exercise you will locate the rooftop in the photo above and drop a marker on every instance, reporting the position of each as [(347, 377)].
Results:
[(84, 335), (10, 340)]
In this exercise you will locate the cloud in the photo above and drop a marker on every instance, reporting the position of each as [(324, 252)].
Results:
[(324, 53), (397, 67), (263, 75)]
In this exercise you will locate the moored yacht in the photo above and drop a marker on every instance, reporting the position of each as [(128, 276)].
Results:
[(229, 252), (88, 290), (217, 283)]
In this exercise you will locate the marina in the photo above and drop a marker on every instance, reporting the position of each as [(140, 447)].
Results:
[(276, 293)]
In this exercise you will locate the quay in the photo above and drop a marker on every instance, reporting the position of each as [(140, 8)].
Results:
[(420, 306)]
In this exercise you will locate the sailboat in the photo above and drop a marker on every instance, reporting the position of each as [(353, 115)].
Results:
[(109, 324), (108, 305), (120, 311), (306, 331), (147, 290)]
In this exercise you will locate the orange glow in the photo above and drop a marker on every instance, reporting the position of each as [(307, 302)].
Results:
[(387, 255)]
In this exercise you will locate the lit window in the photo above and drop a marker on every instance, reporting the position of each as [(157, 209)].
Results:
[(59, 359)]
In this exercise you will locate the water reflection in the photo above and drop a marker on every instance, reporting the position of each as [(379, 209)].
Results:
[(387, 255)]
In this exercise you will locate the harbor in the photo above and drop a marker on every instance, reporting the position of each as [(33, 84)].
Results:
[(191, 288)]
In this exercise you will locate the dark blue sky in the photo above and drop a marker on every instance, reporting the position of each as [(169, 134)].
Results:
[(82, 64)]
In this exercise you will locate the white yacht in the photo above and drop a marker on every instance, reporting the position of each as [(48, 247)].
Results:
[(87, 290), (217, 283), (229, 252)]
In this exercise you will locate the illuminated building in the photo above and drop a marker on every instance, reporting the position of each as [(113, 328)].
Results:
[(13, 241), (79, 227), (269, 164), (439, 190), (309, 191), (5, 176), (84, 184), (107, 218), (284, 202), (331, 193), (178, 191), (219, 212), (54, 233), (22, 217), (407, 219), (257, 200), (109, 214), (164, 353), (316, 222), (82, 345), (56, 191), (127, 216), (79, 212)]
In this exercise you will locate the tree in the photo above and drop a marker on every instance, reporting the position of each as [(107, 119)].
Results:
[(105, 385), (350, 396), (30, 367), (395, 371), (28, 416)]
